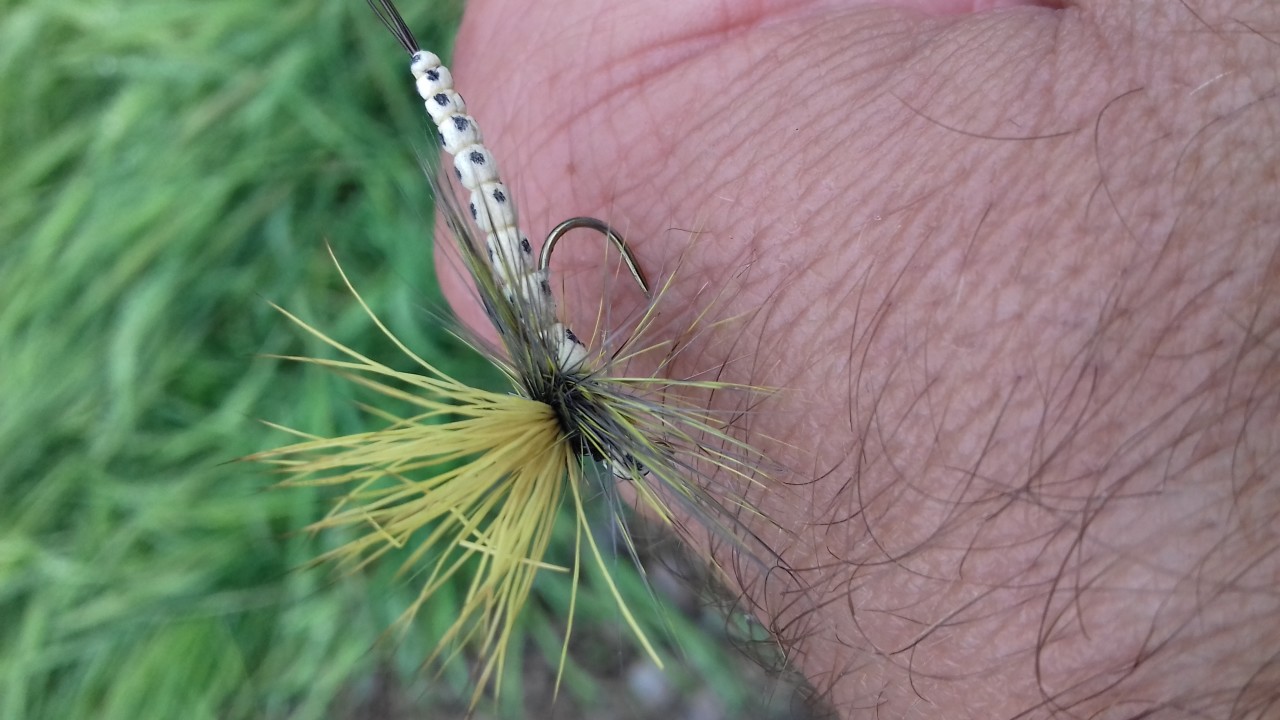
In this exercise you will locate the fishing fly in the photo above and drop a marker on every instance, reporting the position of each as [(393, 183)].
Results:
[(474, 478)]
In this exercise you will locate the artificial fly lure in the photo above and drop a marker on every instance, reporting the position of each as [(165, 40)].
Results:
[(475, 479)]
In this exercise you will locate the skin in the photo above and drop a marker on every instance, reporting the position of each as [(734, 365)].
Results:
[(1015, 270)]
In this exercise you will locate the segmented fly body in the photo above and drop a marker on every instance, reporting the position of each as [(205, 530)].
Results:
[(509, 251)]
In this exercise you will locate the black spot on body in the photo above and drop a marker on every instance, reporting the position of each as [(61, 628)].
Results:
[(572, 338), (457, 172), (633, 467), (525, 246), (546, 286), (460, 123), (474, 213), (499, 196), (432, 75), (476, 157), (441, 99)]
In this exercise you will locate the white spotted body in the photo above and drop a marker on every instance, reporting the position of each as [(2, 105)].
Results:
[(509, 250)]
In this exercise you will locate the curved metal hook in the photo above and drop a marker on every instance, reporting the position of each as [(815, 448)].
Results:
[(600, 226)]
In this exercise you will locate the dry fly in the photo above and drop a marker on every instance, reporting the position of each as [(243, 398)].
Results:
[(471, 481)]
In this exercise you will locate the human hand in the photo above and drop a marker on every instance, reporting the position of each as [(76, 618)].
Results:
[(1016, 274)]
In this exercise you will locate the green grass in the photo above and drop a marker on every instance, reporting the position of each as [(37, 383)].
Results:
[(169, 168)]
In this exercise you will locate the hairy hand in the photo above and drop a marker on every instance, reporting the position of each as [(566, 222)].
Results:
[(1016, 272)]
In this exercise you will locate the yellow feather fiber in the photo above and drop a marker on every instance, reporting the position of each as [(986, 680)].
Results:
[(475, 478)]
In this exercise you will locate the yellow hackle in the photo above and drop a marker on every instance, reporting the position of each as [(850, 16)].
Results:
[(467, 479)]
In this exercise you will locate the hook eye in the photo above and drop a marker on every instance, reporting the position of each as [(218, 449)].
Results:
[(559, 231)]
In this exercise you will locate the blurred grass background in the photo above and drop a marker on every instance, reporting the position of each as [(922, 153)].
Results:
[(169, 168)]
